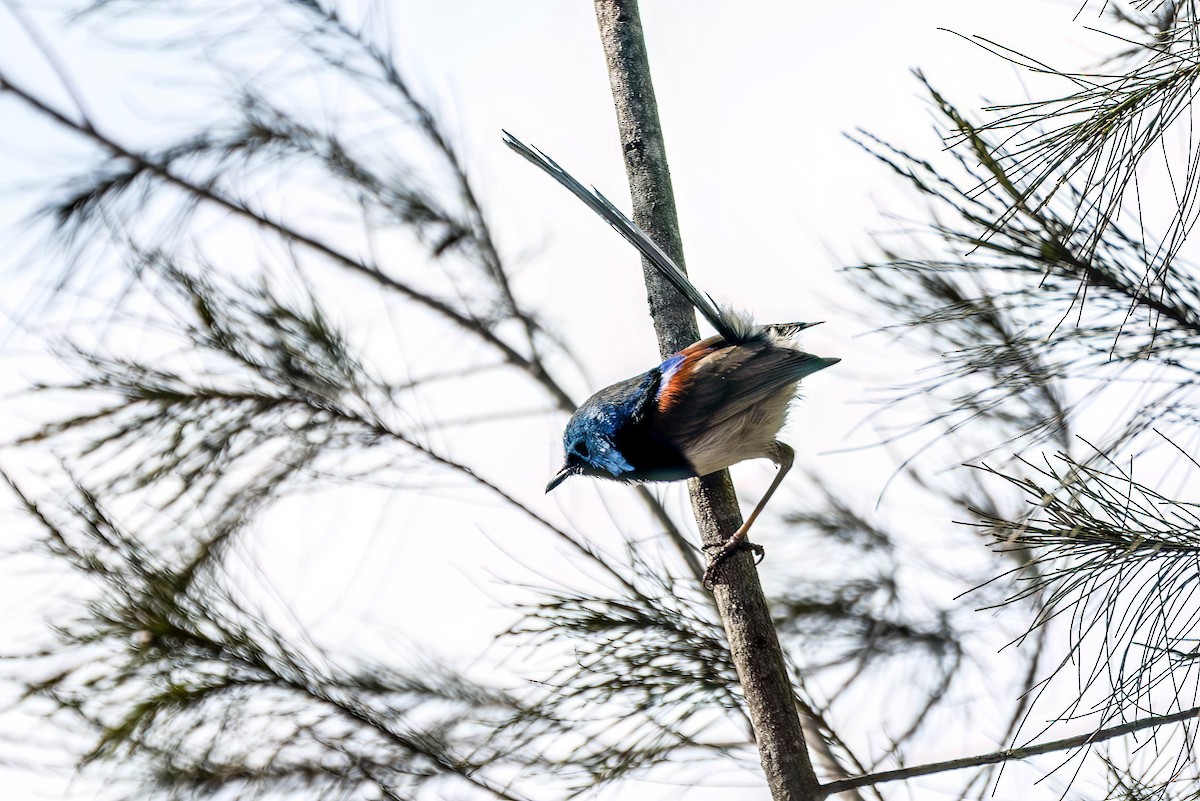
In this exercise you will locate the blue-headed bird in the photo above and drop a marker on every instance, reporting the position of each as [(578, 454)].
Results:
[(715, 403)]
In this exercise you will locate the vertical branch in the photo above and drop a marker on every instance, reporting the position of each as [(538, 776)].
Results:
[(740, 601), (646, 166)]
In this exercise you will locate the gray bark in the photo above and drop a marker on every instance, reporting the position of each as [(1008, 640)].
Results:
[(739, 597)]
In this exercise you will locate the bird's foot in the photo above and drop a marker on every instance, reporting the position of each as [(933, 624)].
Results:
[(722, 551)]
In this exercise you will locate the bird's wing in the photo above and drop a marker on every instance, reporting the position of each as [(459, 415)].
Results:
[(718, 382), (732, 326), (764, 374)]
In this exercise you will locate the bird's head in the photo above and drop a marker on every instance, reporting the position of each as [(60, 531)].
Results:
[(589, 452), (589, 440)]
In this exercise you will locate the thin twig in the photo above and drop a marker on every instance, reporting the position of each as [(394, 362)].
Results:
[(994, 757)]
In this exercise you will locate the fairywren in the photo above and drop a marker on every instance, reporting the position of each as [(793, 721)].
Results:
[(713, 404)]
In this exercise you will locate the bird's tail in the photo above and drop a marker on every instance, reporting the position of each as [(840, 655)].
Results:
[(734, 327)]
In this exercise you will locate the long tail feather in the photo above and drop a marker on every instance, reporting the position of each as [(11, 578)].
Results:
[(728, 325)]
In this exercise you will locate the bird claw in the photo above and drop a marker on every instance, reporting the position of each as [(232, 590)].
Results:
[(759, 552), (723, 551)]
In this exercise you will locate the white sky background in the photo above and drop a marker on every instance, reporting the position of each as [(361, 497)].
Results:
[(772, 200)]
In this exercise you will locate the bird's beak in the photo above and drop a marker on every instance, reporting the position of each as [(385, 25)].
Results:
[(559, 478), (810, 325)]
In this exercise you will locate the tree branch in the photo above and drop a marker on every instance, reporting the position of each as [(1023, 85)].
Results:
[(994, 757), (753, 641), (208, 192)]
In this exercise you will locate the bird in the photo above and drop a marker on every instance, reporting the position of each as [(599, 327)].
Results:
[(719, 401)]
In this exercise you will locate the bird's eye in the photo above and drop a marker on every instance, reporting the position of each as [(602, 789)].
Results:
[(582, 449)]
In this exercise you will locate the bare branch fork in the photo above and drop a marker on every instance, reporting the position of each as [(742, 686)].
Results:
[(743, 609), (1025, 752)]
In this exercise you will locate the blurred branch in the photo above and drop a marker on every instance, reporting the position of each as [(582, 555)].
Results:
[(1103, 128), (265, 131), (1119, 558), (149, 164), (1013, 310), (176, 644)]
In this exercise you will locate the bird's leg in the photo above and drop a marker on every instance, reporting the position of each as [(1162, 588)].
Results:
[(784, 457)]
